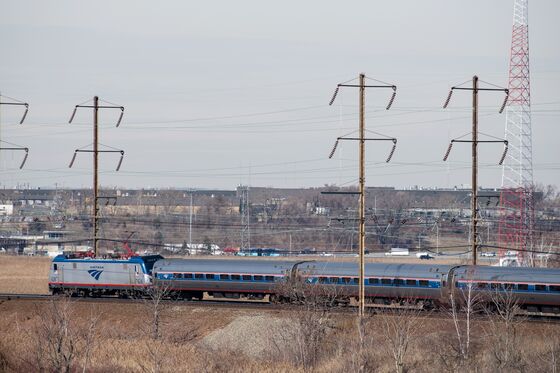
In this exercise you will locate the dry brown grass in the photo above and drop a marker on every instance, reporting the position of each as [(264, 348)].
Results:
[(24, 274), (123, 345)]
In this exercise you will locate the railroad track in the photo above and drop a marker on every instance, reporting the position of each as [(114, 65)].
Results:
[(262, 305)]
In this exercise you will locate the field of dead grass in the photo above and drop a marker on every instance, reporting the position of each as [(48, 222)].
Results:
[(201, 339), (24, 274)]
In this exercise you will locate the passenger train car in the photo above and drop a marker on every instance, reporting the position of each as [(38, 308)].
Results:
[(425, 285), (222, 278)]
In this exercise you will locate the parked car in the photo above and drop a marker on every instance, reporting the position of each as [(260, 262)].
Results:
[(489, 254)]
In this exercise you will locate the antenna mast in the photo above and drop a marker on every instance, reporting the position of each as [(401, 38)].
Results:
[(516, 198)]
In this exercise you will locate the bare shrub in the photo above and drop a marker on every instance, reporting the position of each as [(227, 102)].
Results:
[(298, 290), (4, 364), (59, 342), (359, 348), (400, 327), (464, 304), (503, 332), (305, 340), (154, 304), (156, 307)]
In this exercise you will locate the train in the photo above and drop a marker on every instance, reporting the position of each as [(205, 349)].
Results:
[(536, 290)]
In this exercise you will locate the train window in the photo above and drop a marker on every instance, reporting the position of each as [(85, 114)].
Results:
[(210, 276), (246, 277), (424, 283), (507, 286), (199, 275), (177, 275), (55, 267), (269, 278), (334, 280), (236, 277), (224, 277), (373, 281), (258, 278), (355, 280), (322, 280), (399, 281), (554, 288), (187, 275), (540, 287), (346, 280), (411, 282), (522, 286), (494, 286), (386, 281)]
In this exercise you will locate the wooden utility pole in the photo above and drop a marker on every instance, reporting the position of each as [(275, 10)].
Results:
[(96, 152), (362, 181), (474, 146), (95, 172), (474, 207)]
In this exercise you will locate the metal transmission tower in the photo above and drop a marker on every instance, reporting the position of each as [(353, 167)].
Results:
[(245, 217), (516, 198)]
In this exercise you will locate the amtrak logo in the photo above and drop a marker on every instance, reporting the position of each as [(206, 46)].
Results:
[(95, 273)]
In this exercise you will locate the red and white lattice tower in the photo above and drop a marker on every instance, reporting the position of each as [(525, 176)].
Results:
[(516, 198)]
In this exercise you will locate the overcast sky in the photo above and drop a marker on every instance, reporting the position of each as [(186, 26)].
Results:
[(224, 93)]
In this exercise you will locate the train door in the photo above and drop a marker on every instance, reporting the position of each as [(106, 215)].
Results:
[(135, 275)]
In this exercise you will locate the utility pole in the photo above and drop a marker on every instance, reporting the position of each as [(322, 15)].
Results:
[(474, 173), (96, 151), (95, 173), (362, 204), (361, 179), (190, 221), (474, 154)]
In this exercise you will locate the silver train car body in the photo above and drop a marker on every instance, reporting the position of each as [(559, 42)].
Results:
[(426, 285), (96, 277), (535, 289), (221, 278)]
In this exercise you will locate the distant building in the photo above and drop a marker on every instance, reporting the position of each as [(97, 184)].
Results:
[(6, 209)]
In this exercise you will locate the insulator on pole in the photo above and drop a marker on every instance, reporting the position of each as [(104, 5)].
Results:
[(505, 102), (333, 149), (73, 114), (24, 114), (73, 159), (334, 96), (392, 151), (120, 161), (24, 158), (448, 151), (120, 117), (448, 98), (392, 98), (504, 154)]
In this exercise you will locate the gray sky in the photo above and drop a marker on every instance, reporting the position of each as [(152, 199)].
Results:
[(222, 93)]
